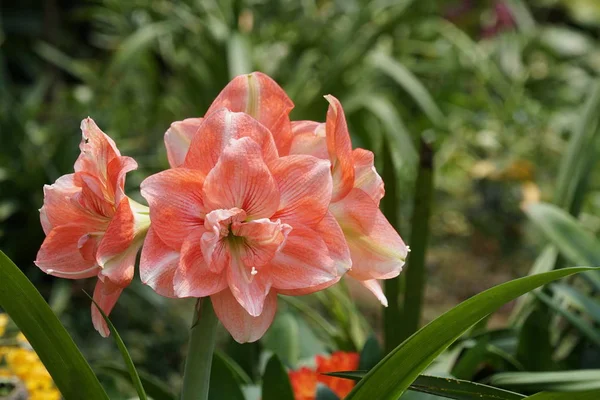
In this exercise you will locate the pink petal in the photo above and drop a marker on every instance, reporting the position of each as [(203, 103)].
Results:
[(216, 133), (375, 287), (308, 137), (117, 169), (94, 198), (303, 262), (339, 147), (60, 208), (119, 234), (214, 244), (242, 326), (105, 295), (193, 278), (178, 138), (262, 98), (377, 250), (333, 236), (242, 180), (60, 254), (158, 264), (176, 206), (248, 288), (366, 177), (97, 149), (305, 188), (262, 238)]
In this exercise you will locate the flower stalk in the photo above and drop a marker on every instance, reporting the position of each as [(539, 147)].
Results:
[(203, 334)]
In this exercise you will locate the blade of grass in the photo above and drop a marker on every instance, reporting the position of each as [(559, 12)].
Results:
[(155, 388)]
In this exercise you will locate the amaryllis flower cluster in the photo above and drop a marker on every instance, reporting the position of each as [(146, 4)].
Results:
[(254, 205)]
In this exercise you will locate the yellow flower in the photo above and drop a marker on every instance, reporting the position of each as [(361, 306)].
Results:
[(3, 323)]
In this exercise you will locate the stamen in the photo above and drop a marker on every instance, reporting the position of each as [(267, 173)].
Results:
[(408, 249), (253, 272)]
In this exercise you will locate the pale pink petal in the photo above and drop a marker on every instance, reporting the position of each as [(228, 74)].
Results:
[(119, 234), (304, 262), (158, 264), (366, 177), (178, 138), (214, 244), (60, 254), (374, 287), (262, 98), (339, 147), (193, 278), (97, 150), (262, 238), (242, 326), (105, 295), (248, 287), (176, 206), (305, 189), (94, 198), (216, 133), (330, 231), (242, 180), (117, 169), (377, 250), (308, 137)]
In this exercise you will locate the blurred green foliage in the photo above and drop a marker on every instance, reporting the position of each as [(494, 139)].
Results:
[(497, 87)]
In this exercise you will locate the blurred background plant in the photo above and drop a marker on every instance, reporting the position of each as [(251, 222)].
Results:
[(494, 89)]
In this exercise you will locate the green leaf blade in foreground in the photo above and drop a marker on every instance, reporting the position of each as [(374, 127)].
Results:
[(155, 388), (276, 383), (55, 347), (397, 371), (133, 374), (448, 387), (588, 395)]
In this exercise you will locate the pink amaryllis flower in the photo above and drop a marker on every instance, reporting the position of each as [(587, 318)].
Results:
[(377, 251), (92, 228), (239, 223)]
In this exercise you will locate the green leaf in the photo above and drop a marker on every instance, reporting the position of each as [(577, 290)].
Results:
[(155, 388), (447, 387), (52, 343), (589, 395), (239, 373), (283, 338), (409, 359), (276, 383), (133, 374), (224, 383), (469, 362), (534, 350), (370, 354), (579, 380), (238, 55), (578, 300), (409, 82), (577, 245)]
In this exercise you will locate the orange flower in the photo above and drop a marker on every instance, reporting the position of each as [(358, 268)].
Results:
[(304, 380)]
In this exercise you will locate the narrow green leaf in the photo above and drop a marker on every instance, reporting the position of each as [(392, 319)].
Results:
[(578, 300), (276, 383), (447, 387), (394, 374), (55, 348), (223, 382), (155, 388), (239, 373), (283, 338), (133, 374), (534, 350), (469, 362), (409, 82), (370, 354), (139, 42), (578, 380), (589, 395)]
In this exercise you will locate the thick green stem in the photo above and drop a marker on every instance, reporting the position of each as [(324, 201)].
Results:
[(203, 335), (391, 313), (415, 271)]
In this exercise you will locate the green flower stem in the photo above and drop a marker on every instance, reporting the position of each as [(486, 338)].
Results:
[(203, 335)]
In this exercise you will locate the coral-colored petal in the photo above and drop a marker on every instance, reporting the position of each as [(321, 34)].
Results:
[(308, 137), (339, 147), (339, 361), (215, 247), (117, 169), (176, 206), (333, 236), (242, 180), (97, 149), (178, 139), (262, 98), (303, 263), (94, 198), (262, 239), (158, 264), (242, 326), (193, 278), (249, 289), (105, 295), (366, 177), (119, 234), (304, 383), (216, 133), (60, 254), (377, 250), (305, 189), (374, 287)]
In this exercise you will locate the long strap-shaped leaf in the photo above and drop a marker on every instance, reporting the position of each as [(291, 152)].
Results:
[(448, 387), (394, 374), (71, 373)]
